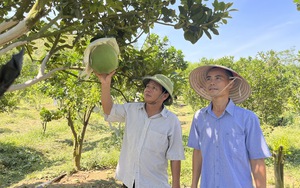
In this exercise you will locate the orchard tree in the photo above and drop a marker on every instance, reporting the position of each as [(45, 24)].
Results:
[(268, 78), (76, 102), (274, 79), (27, 23)]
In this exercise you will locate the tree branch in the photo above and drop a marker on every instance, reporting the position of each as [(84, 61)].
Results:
[(6, 25), (162, 23), (11, 46), (38, 78), (23, 26), (13, 33)]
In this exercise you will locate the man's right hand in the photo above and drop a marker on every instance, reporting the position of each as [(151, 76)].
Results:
[(105, 78)]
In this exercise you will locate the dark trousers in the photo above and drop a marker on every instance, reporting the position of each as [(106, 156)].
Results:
[(124, 186)]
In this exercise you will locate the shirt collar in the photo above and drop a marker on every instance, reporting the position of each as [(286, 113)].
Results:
[(141, 106), (163, 113), (229, 108)]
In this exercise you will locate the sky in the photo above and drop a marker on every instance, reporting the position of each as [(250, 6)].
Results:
[(257, 26)]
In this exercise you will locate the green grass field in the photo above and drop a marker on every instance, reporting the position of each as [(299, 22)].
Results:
[(26, 153)]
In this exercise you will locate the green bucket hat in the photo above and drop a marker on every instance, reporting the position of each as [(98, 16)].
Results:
[(164, 82), (101, 56)]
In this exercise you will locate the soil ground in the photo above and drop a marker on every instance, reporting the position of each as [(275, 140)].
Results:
[(84, 179)]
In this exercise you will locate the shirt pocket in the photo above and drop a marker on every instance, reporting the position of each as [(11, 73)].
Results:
[(156, 142), (236, 145)]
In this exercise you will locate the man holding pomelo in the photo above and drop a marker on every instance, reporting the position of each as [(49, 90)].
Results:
[(152, 135)]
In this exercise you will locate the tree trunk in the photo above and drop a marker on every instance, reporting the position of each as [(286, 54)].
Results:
[(77, 153), (278, 168), (78, 140), (76, 148)]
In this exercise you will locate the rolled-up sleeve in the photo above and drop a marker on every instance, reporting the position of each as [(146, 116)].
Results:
[(117, 113), (175, 150)]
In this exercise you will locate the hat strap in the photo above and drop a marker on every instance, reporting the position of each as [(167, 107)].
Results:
[(234, 78), (227, 84)]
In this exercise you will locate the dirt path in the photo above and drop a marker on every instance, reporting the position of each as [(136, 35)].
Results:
[(84, 179)]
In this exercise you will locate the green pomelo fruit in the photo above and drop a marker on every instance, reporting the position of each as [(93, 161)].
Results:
[(104, 59)]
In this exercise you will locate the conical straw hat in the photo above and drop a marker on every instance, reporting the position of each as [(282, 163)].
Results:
[(238, 93)]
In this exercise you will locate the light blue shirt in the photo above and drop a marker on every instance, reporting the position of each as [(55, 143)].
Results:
[(227, 144), (148, 144)]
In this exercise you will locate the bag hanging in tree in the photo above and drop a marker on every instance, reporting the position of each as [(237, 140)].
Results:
[(101, 56)]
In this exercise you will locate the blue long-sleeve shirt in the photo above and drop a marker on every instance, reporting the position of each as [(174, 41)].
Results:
[(227, 144)]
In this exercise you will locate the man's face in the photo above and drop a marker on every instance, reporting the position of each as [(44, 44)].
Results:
[(153, 91), (216, 81)]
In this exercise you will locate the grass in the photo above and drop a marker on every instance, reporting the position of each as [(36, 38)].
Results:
[(288, 137), (26, 153)]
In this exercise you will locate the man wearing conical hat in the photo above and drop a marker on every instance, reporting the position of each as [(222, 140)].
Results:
[(229, 146), (152, 134)]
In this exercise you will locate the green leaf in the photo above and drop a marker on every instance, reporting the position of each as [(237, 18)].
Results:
[(200, 33), (50, 39), (62, 41), (207, 34), (164, 10), (190, 36), (197, 12), (215, 31), (224, 21), (182, 10), (190, 3), (47, 45)]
